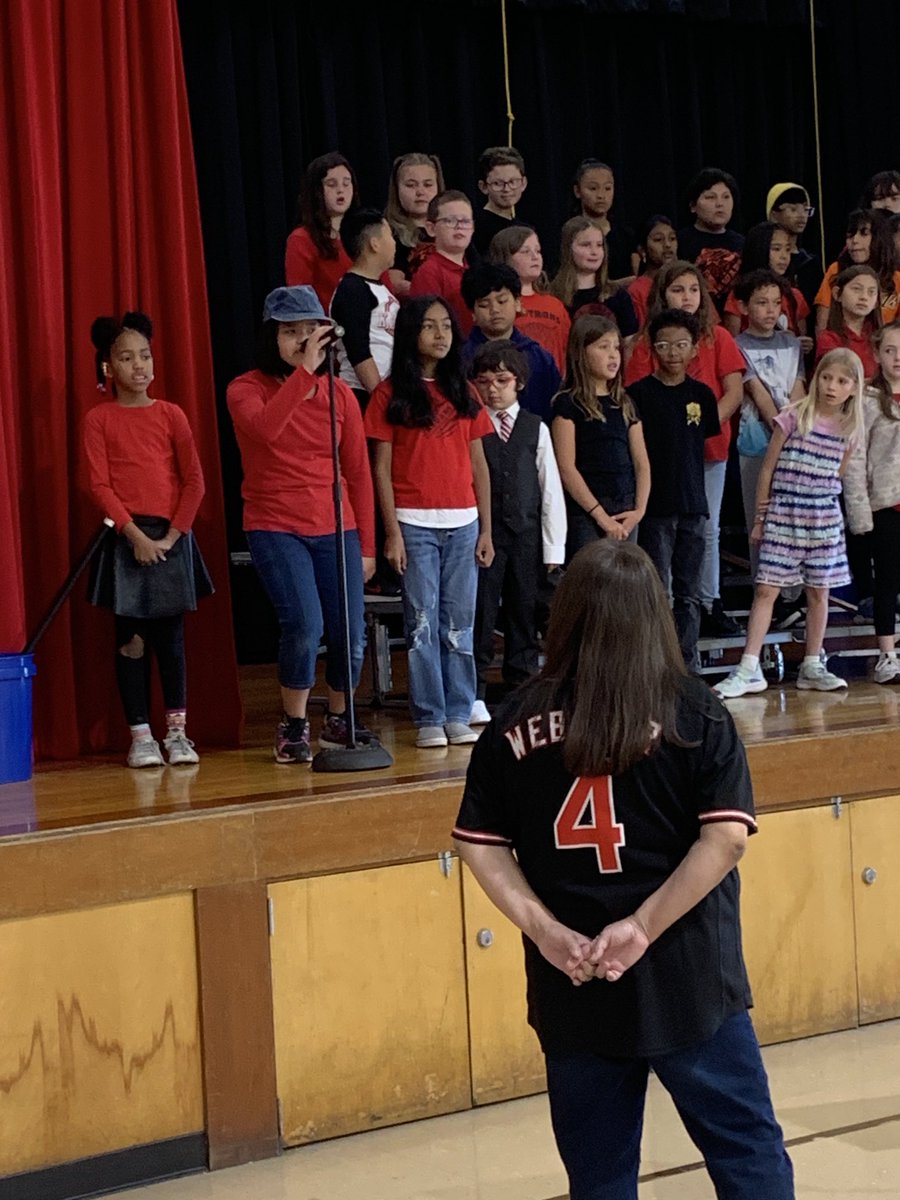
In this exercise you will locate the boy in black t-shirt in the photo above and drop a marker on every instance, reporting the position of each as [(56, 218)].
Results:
[(678, 415), (501, 177)]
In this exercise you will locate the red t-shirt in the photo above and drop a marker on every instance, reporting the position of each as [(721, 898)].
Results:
[(732, 306), (285, 442), (440, 276), (143, 461), (304, 264), (717, 355), (430, 468), (859, 343), (639, 291), (545, 319)]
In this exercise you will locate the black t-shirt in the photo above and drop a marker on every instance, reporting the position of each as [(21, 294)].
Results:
[(602, 453), (486, 225), (620, 245), (676, 421), (594, 849), (805, 272), (618, 303), (718, 255)]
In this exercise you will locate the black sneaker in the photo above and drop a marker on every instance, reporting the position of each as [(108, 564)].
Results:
[(335, 733), (786, 613), (292, 741), (716, 622)]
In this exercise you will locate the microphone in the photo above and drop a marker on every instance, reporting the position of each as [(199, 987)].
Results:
[(335, 333)]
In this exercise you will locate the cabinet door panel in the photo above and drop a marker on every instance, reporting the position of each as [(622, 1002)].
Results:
[(875, 826), (797, 916), (99, 1032), (369, 1000), (506, 1057)]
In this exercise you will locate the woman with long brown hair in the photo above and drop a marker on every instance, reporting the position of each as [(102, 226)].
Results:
[(605, 810)]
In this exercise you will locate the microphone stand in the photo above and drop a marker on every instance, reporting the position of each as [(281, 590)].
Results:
[(353, 756)]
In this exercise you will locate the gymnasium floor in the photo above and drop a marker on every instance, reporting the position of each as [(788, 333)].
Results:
[(838, 1099)]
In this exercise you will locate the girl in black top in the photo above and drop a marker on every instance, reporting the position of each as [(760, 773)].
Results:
[(582, 280), (599, 440), (605, 809)]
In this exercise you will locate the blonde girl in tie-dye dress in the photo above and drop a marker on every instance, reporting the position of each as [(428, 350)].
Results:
[(799, 525)]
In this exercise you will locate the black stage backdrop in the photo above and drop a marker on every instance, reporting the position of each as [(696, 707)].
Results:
[(657, 88)]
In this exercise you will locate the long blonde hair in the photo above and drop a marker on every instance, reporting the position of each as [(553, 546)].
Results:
[(581, 383), (851, 409), (565, 282), (405, 229)]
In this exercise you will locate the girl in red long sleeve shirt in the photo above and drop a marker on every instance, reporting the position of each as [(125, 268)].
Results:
[(145, 475), (314, 253), (281, 418)]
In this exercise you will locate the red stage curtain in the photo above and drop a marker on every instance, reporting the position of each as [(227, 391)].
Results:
[(98, 213)]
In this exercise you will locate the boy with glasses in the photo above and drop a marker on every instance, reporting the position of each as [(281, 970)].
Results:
[(502, 178), (528, 520), (787, 204), (678, 415), (450, 223)]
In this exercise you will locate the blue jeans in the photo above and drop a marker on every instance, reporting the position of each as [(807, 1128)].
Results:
[(714, 486), (300, 578), (439, 588), (722, 1095), (675, 544)]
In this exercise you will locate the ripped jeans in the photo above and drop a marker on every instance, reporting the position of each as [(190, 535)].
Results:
[(439, 587)]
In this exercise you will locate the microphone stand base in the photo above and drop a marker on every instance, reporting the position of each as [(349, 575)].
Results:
[(353, 758)]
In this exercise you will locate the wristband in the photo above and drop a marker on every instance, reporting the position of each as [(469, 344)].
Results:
[(590, 511)]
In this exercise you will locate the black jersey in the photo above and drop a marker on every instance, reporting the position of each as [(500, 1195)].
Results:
[(593, 849)]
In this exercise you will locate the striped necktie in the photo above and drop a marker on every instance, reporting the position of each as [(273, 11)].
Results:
[(506, 425)]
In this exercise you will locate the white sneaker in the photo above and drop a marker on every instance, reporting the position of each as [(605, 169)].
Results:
[(430, 737), (180, 748), (145, 752), (459, 734), (818, 678), (741, 682), (887, 669), (480, 714)]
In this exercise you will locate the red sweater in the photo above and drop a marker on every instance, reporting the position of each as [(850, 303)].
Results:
[(143, 461), (440, 276), (304, 264), (285, 441)]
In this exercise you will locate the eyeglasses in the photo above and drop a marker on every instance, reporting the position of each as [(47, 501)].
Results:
[(484, 383), (505, 185), (456, 222), (809, 209), (662, 347)]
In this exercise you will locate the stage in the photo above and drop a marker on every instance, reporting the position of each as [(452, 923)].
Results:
[(218, 961)]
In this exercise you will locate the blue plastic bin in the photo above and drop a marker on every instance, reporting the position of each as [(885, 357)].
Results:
[(16, 673)]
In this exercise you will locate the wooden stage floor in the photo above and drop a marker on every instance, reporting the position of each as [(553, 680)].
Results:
[(99, 790)]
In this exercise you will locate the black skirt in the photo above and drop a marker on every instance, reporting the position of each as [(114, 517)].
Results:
[(165, 589)]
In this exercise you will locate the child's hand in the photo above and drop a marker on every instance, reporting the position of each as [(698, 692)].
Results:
[(395, 552), (806, 344), (484, 550), (148, 552), (628, 520), (311, 354), (756, 533), (368, 568), (612, 528)]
